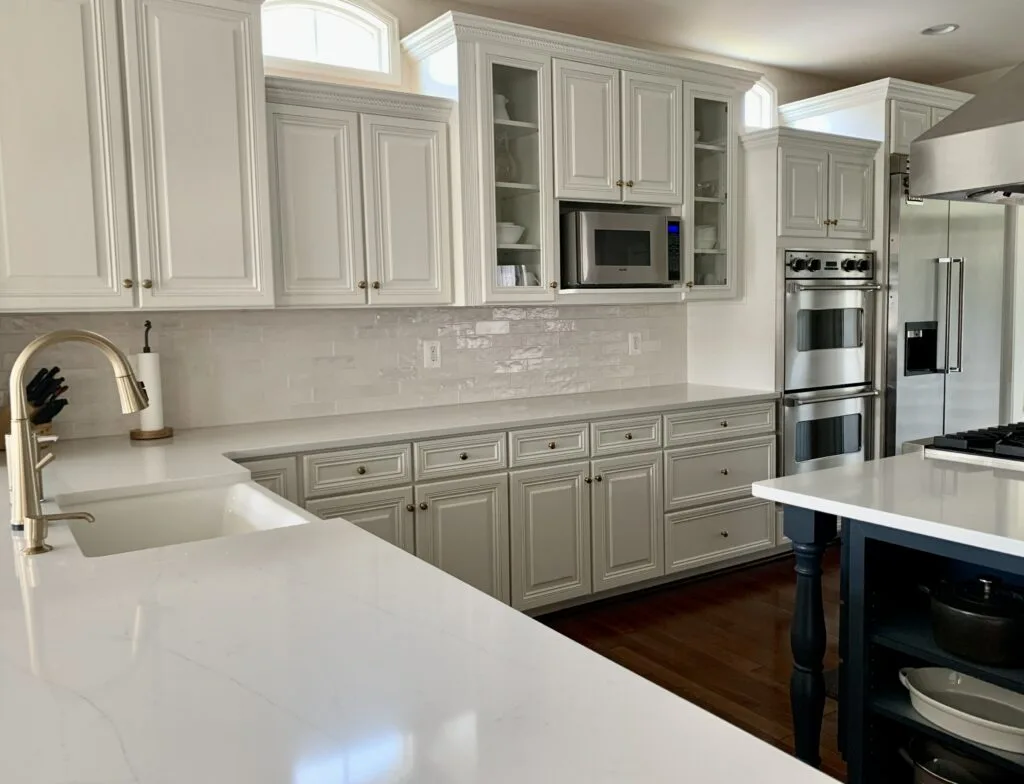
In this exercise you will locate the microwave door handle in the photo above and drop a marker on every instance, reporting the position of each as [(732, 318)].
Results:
[(956, 366), (943, 282)]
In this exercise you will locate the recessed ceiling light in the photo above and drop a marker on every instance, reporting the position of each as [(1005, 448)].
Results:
[(941, 29)]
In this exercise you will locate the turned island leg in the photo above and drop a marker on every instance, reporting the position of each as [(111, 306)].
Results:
[(810, 533)]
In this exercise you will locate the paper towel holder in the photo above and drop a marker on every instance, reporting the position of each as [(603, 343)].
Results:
[(137, 434)]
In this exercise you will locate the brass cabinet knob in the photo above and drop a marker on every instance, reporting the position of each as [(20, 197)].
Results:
[(552, 444), (724, 534), (629, 436), (127, 283), (629, 184), (361, 470), (724, 472), (362, 284), (463, 456), (410, 508), (423, 505), (598, 478), (689, 284), (376, 284), (724, 423), (588, 480), (620, 183), (147, 284), (553, 284)]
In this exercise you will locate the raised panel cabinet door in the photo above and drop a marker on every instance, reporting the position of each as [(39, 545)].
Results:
[(851, 196), (909, 120), (627, 520), (803, 197), (405, 198), (317, 207), (387, 514), (280, 475), (550, 534), (462, 529), (588, 142), (938, 115), (64, 235), (652, 139), (196, 115)]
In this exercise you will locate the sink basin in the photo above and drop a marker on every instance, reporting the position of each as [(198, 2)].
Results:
[(160, 519)]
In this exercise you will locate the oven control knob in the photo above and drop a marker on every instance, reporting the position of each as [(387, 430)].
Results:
[(798, 265), (863, 265), (849, 265), (814, 265)]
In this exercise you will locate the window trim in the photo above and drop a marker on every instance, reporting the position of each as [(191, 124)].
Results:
[(772, 94), (283, 66)]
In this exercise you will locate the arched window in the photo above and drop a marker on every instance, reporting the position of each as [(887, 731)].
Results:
[(760, 106), (332, 39)]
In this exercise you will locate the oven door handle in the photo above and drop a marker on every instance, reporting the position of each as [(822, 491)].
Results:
[(789, 402), (866, 287)]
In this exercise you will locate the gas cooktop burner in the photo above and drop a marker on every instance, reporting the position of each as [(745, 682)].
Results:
[(1001, 441)]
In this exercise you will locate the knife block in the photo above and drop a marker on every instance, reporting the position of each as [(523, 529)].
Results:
[(5, 426)]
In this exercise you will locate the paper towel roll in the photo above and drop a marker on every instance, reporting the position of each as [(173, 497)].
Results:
[(147, 369)]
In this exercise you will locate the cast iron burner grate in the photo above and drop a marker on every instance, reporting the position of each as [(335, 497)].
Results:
[(1001, 441)]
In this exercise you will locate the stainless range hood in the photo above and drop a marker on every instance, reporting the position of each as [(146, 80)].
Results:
[(977, 152)]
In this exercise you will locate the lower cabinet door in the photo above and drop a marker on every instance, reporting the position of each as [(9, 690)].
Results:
[(715, 533), (280, 475), (627, 520), (550, 534), (384, 513), (462, 529)]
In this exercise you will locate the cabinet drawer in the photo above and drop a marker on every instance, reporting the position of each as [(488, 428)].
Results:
[(618, 436), (688, 427), (714, 533), (550, 444), (444, 457), (716, 472), (328, 473)]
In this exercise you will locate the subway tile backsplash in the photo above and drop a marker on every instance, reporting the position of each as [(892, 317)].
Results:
[(232, 367)]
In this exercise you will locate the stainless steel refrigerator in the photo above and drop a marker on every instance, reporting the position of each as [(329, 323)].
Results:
[(946, 315)]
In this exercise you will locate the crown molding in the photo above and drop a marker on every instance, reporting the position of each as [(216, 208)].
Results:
[(878, 90), (455, 26), (774, 137), (322, 95)]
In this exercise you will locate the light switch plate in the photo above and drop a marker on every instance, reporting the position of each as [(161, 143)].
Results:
[(431, 353), (636, 345)]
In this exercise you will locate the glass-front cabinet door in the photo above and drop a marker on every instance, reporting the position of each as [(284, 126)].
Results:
[(518, 231), (710, 180)]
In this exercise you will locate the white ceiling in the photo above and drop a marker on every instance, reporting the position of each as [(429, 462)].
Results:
[(850, 40)]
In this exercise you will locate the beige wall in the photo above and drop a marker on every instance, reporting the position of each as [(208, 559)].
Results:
[(975, 82), (792, 85)]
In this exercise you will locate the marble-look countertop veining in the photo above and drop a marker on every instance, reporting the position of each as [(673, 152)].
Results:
[(967, 504), (315, 654)]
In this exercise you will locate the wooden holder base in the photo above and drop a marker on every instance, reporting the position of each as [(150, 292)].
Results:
[(150, 435)]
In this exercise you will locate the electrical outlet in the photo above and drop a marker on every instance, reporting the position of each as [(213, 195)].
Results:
[(431, 353), (636, 345)]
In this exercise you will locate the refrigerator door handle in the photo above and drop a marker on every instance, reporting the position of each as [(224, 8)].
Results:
[(943, 301), (957, 365)]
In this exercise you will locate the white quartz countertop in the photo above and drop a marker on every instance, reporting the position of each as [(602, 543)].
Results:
[(966, 504), (314, 654)]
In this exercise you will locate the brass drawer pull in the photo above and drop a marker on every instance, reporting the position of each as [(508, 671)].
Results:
[(724, 534), (552, 444), (361, 470), (724, 423), (598, 478), (588, 480), (423, 505), (127, 283), (619, 183), (410, 508), (629, 436), (147, 284), (724, 472), (464, 456), (362, 284), (376, 284), (629, 183)]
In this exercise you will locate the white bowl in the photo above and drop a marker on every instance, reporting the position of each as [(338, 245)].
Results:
[(510, 233), (705, 237)]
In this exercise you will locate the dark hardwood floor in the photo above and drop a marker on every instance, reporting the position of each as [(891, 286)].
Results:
[(720, 642)]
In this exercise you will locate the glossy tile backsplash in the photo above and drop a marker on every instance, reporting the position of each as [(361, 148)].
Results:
[(231, 367)]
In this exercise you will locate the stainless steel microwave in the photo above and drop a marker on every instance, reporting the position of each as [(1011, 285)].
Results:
[(619, 249)]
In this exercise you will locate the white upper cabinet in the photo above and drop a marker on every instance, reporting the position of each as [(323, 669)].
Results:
[(851, 200), (618, 135), (407, 211), (826, 193), (909, 120), (938, 115), (652, 134), (64, 234), (587, 132), (198, 148), (803, 200), (316, 196)]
